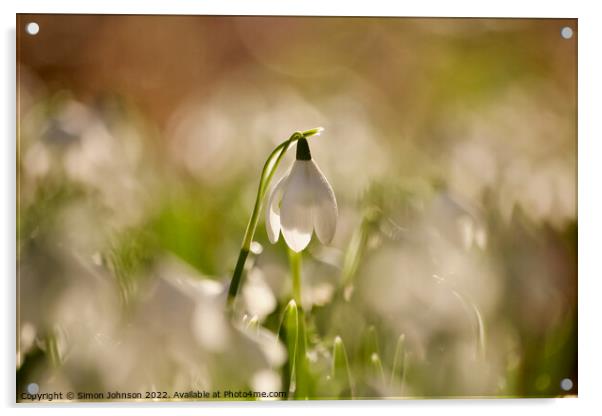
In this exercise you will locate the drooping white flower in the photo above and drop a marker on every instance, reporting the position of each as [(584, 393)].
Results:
[(301, 202)]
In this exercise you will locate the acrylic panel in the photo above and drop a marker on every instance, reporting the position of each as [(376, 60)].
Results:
[(295, 207)]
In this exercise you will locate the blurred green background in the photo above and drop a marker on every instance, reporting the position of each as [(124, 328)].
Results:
[(451, 147)]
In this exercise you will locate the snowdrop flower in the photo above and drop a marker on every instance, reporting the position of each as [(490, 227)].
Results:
[(300, 202)]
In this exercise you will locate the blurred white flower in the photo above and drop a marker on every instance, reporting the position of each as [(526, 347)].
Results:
[(457, 221), (301, 201), (266, 380), (258, 295)]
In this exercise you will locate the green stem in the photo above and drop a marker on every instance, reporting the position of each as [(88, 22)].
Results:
[(267, 173), (300, 363), (295, 263), (240, 264)]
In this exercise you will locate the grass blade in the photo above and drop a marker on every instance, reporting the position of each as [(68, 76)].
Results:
[(370, 345), (399, 363), (289, 333), (341, 375), (378, 373), (480, 334)]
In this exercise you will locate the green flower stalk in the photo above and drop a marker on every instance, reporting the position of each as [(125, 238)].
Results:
[(295, 263), (267, 173)]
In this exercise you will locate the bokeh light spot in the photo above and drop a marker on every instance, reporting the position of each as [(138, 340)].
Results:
[(566, 384), (566, 32), (33, 388), (32, 28)]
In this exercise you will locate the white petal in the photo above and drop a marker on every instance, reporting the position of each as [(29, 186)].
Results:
[(296, 207), (325, 211), (272, 211)]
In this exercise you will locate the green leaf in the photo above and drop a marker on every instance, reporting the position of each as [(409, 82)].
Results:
[(341, 375), (289, 332), (376, 366), (399, 363), (370, 345)]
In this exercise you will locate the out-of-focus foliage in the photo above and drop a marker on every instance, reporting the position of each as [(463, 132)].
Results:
[(451, 147)]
